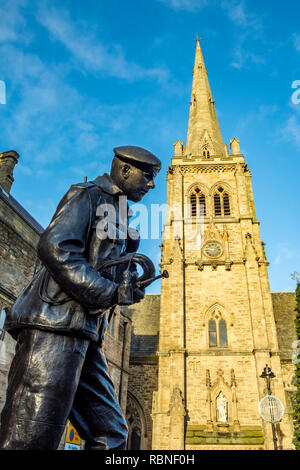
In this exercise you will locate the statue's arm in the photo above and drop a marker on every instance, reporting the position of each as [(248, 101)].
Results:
[(62, 249)]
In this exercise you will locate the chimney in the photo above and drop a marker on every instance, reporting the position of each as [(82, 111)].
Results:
[(8, 161)]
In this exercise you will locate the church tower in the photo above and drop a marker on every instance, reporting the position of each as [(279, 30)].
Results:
[(217, 327)]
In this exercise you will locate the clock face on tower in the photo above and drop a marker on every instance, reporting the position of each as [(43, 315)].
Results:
[(212, 249)]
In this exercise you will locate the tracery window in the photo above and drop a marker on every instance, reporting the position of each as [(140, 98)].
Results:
[(221, 202), (217, 331), (212, 331), (197, 203), (135, 425), (135, 439), (205, 150)]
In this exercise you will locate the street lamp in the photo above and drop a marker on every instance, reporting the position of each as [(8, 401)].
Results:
[(271, 408), (268, 375)]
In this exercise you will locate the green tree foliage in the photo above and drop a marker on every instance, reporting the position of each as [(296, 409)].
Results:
[(297, 406)]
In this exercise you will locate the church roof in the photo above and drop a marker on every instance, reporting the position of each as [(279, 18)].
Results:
[(16, 206)]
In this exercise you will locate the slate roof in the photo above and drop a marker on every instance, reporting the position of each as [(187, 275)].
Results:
[(16, 206)]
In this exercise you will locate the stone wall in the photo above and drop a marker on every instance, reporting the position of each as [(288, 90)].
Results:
[(18, 262), (284, 304), (19, 235), (143, 378), (117, 350)]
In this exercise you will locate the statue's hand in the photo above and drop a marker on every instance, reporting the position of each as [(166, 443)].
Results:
[(138, 294)]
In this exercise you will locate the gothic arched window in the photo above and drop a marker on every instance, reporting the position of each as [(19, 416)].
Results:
[(136, 424), (212, 331), (221, 202), (193, 205), (217, 331), (205, 151), (223, 334), (197, 203), (202, 205), (217, 202), (135, 439), (226, 204)]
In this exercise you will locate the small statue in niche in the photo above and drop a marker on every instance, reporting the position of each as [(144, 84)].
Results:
[(222, 407)]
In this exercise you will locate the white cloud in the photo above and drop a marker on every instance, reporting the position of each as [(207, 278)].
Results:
[(12, 22), (286, 253), (239, 14), (242, 55), (46, 117), (252, 28), (89, 52), (254, 117), (187, 5), (48, 121), (296, 39), (236, 10), (291, 130)]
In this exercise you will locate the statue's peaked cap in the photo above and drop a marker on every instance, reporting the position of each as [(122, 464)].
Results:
[(138, 156)]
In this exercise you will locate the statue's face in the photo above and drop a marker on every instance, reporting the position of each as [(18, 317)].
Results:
[(137, 182)]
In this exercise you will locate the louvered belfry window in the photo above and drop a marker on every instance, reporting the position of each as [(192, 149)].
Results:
[(198, 203), (221, 202), (193, 205), (217, 202), (202, 203), (226, 204)]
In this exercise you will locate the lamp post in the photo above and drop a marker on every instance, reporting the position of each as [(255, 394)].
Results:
[(268, 375)]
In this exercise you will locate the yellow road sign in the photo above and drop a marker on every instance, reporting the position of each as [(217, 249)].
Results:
[(72, 436)]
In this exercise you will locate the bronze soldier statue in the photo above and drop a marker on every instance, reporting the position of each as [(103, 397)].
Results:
[(59, 371)]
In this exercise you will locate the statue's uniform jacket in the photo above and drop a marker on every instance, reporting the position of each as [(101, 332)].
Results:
[(59, 371), (71, 253)]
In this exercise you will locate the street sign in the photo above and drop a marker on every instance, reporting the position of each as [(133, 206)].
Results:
[(73, 440), (271, 409), (69, 446)]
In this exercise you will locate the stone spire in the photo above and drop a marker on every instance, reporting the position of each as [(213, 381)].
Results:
[(204, 136)]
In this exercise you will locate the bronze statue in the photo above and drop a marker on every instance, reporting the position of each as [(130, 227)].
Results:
[(59, 371)]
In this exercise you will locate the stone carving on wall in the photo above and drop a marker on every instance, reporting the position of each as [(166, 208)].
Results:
[(177, 414), (218, 244), (221, 402), (177, 403)]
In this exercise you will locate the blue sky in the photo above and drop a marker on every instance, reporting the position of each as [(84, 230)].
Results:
[(83, 77)]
